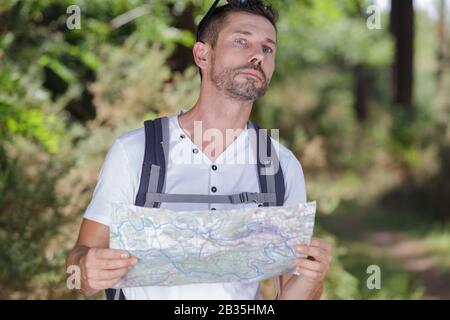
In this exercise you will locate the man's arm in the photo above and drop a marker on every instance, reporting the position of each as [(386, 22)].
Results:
[(101, 267), (309, 284)]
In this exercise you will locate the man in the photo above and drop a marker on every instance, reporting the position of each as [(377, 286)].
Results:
[(235, 53)]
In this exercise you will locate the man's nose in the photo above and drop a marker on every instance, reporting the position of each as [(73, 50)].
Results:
[(257, 59)]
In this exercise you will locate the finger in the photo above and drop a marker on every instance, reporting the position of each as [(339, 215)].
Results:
[(325, 257), (106, 253), (314, 275), (315, 252), (325, 245), (108, 274), (109, 264), (308, 264)]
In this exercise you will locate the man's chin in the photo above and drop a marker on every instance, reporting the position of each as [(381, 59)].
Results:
[(245, 95)]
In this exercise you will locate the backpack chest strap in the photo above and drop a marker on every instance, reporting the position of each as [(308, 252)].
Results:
[(243, 197)]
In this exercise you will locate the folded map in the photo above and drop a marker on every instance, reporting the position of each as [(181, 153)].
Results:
[(187, 247)]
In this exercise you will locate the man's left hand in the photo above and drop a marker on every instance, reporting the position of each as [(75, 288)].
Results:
[(317, 263)]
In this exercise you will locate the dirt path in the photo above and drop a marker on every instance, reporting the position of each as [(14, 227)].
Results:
[(414, 257), (410, 253)]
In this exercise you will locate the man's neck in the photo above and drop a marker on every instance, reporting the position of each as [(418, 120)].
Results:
[(218, 111)]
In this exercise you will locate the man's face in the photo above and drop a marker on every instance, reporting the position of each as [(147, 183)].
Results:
[(243, 60)]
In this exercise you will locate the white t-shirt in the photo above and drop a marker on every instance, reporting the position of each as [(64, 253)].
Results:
[(189, 171)]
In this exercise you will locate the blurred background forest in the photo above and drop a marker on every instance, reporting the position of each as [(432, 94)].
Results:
[(365, 110)]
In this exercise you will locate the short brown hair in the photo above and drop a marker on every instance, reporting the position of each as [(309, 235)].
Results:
[(210, 26)]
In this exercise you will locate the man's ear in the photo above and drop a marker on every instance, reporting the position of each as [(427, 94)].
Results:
[(201, 52)]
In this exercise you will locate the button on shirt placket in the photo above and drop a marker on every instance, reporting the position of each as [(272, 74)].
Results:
[(213, 183), (196, 153)]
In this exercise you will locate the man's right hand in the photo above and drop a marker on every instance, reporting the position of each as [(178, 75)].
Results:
[(102, 268)]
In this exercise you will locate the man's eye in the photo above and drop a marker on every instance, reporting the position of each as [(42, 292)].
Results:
[(241, 41), (267, 50)]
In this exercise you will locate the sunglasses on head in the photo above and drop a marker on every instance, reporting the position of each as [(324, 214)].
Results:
[(233, 3)]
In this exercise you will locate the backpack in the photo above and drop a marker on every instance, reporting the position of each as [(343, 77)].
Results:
[(152, 183)]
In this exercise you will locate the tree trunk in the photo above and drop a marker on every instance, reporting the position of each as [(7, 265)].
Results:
[(443, 54), (361, 88), (402, 28), (360, 92)]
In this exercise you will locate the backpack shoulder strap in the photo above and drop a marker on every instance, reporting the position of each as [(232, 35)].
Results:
[(156, 154), (270, 174)]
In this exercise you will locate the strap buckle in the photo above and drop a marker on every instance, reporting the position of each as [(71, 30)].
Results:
[(246, 197)]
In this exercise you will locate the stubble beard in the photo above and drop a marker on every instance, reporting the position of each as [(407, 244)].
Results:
[(245, 89)]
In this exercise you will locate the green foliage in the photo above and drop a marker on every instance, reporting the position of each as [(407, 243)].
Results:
[(395, 282), (29, 220), (339, 283), (29, 121)]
